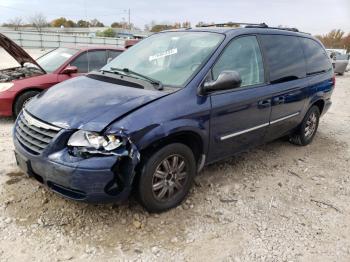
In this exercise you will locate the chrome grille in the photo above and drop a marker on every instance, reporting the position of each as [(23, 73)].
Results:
[(34, 134)]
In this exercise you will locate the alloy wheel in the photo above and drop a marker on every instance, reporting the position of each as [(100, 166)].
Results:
[(169, 177), (310, 126)]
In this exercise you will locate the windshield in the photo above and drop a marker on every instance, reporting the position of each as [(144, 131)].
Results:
[(170, 58), (54, 59)]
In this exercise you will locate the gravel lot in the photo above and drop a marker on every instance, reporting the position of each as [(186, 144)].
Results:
[(278, 202)]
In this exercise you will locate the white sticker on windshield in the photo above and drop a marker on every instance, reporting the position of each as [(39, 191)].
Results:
[(163, 54), (66, 55)]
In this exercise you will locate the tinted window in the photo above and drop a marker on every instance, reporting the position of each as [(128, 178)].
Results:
[(97, 59), (81, 63), (112, 54), (316, 56), (89, 61), (285, 57), (242, 55)]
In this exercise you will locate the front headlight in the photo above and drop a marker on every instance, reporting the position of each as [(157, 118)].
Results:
[(92, 142), (5, 86)]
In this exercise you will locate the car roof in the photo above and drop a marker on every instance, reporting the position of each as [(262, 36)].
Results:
[(232, 31), (94, 47)]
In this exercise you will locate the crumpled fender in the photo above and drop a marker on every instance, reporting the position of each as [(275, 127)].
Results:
[(147, 136)]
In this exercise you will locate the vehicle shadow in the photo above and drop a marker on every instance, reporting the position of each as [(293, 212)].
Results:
[(6, 119), (107, 226)]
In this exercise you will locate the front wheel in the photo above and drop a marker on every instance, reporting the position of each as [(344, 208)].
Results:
[(22, 100), (166, 177), (307, 130)]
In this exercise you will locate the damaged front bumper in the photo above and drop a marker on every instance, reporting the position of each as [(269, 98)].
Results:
[(96, 179)]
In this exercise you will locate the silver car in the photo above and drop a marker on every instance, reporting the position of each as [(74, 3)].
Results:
[(340, 61)]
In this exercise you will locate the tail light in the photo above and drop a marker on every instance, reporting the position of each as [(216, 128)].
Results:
[(333, 80)]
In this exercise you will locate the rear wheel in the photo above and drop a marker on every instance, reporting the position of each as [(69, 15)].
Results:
[(22, 100), (307, 130), (166, 177)]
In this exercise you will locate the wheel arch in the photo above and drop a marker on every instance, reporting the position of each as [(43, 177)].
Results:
[(189, 138), (29, 89), (320, 103)]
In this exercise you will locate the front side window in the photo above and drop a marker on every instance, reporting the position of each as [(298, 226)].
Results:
[(56, 58), (171, 57), (81, 62), (242, 55), (285, 57), (316, 57), (90, 60)]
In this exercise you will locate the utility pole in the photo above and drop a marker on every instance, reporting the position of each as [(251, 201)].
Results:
[(129, 18)]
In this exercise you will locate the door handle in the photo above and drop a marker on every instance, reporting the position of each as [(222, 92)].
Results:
[(278, 100), (264, 103)]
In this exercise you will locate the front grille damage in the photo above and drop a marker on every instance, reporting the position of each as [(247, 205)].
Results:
[(16, 73), (34, 134)]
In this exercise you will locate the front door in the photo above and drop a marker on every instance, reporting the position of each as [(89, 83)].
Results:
[(239, 117)]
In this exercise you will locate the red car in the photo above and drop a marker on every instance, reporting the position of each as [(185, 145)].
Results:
[(19, 84)]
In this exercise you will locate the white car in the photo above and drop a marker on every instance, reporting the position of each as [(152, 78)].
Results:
[(341, 63)]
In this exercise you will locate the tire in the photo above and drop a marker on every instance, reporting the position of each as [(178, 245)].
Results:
[(161, 186), (22, 100), (307, 129)]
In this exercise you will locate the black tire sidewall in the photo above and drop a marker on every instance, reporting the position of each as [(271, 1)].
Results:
[(145, 182), (303, 138), (21, 100)]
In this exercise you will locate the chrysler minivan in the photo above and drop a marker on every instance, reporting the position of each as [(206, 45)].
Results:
[(152, 118)]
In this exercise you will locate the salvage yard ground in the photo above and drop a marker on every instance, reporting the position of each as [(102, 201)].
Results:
[(278, 202)]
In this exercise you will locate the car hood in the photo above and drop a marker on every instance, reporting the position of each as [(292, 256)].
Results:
[(17, 52), (88, 104)]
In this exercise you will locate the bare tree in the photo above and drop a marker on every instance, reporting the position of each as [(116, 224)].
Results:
[(16, 23), (38, 21)]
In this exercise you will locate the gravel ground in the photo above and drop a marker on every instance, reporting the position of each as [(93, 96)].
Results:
[(278, 202)]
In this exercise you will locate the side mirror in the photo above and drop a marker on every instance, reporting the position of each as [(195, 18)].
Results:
[(70, 70), (226, 80)]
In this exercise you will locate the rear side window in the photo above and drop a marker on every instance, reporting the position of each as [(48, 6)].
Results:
[(316, 57), (89, 61), (242, 55), (285, 57), (112, 54), (97, 59)]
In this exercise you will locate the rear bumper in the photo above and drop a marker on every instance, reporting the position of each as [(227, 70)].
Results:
[(89, 180), (6, 102)]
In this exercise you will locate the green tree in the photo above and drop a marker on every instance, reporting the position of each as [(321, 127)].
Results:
[(109, 32)]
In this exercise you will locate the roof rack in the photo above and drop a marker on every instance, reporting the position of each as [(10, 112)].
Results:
[(234, 24), (249, 25)]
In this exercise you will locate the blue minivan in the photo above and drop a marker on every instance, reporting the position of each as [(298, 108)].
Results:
[(152, 118)]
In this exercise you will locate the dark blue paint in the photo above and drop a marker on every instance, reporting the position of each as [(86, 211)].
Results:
[(148, 116)]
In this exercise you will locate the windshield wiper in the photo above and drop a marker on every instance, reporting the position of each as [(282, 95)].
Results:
[(130, 72)]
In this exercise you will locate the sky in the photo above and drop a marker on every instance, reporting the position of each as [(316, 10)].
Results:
[(313, 16)]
